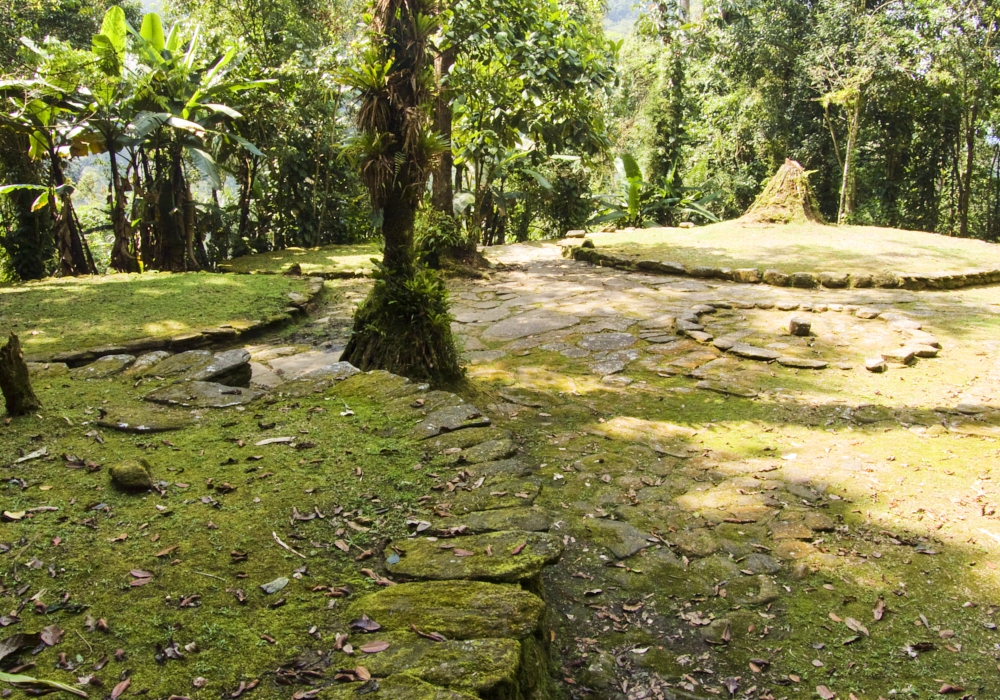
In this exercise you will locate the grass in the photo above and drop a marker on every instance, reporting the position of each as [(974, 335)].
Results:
[(55, 315), (327, 259), (220, 494), (805, 248)]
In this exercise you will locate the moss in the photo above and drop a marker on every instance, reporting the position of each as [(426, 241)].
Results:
[(456, 609), (502, 557), (130, 476), (56, 315), (400, 686)]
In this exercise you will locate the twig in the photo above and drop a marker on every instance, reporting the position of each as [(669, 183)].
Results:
[(278, 540), (84, 641), (202, 573)]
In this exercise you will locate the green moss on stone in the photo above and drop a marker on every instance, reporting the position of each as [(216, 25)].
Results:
[(131, 476)]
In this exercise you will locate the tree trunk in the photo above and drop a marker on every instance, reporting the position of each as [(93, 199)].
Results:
[(15, 382), (847, 189), (74, 256), (442, 195), (123, 254), (965, 188)]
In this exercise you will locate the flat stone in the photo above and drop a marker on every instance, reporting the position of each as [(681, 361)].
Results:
[(396, 687), (102, 367), (489, 451), (607, 341), (687, 325), (761, 564), (231, 367), (302, 364), (695, 543), (203, 395), (784, 530), (867, 312), (803, 280), (423, 559), (530, 323), (500, 469), (134, 347), (449, 418), (901, 356), (876, 365), (752, 352), (509, 493), (263, 377), (834, 280), (620, 538), (920, 337), (804, 492), (661, 321), (455, 609), (924, 351), (617, 381), (700, 336), (74, 358), (818, 522), (801, 362), (901, 323), (180, 364), (336, 371), (799, 326), (726, 388), (473, 666), (793, 549), (527, 519), (607, 367), (482, 315), (469, 437), (145, 361), (658, 339), (143, 419)]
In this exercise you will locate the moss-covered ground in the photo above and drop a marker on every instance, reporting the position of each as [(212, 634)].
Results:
[(56, 315), (207, 538), (804, 248), (326, 259)]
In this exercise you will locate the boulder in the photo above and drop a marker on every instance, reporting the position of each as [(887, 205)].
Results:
[(131, 476), (799, 326), (776, 278)]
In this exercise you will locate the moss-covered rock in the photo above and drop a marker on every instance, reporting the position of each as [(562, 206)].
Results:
[(504, 557), (531, 519), (455, 609), (397, 687), (131, 476)]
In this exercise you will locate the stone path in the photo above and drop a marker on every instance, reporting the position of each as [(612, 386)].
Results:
[(671, 487)]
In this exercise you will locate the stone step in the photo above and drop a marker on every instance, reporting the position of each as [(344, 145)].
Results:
[(455, 609), (397, 687), (203, 395), (507, 556)]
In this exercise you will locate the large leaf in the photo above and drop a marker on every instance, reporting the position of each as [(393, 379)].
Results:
[(7, 189), (114, 27), (152, 31), (186, 125), (39, 684), (17, 642), (223, 109), (631, 167), (206, 165), (246, 144)]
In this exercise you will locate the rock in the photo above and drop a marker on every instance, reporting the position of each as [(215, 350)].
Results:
[(449, 418), (144, 420), (455, 609), (501, 469), (686, 224), (616, 381), (784, 530), (799, 326), (923, 338), (924, 351), (776, 278), (607, 341), (131, 476), (145, 361), (576, 234), (748, 275), (803, 280), (527, 519), (801, 363), (767, 593), (684, 324), (335, 370), (530, 323), (876, 365), (203, 395), (657, 322), (424, 559), (74, 358), (726, 388), (699, 336), (463, 439), (716, 632), (793, 549), (834, 280), (901, 356), (103, 367), (231, 368), (620, 538), (752, 352), (867, 312), (489, 451), (901, 323), (704, 272), (510, 493), (818, 522), (696, 543), (399, 686), (607, 367), (761, 564), (482, 357)]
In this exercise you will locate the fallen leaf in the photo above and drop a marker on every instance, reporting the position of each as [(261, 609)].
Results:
[(364, 624), (167, 551), (463, 553), (374, 647), (879, 609), (120, 688), (52, 635), (856, 626), (825, 692), (275, 585), (947, 689)]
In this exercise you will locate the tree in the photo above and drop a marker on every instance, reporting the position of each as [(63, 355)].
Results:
[(403, 325)]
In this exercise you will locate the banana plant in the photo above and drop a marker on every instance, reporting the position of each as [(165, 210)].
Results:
[(644, 205)]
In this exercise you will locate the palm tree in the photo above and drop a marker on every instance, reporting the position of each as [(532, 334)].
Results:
[(403, 326)]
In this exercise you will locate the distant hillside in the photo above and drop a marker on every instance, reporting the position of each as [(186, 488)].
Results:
[(620, 16)]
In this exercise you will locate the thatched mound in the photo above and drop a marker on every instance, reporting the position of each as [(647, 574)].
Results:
[(786, 199)]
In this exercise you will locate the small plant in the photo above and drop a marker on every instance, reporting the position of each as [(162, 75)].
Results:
[(641, 204), (435, 233)]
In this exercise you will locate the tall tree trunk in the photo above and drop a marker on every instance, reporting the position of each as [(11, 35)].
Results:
[(123, 253), (74, 255), (442, 195), (847, 189), (965, 187), (15, 383)]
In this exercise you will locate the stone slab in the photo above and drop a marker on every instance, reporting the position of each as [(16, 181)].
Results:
[(486, 557)]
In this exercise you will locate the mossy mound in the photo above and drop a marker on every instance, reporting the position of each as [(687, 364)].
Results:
[(397, 687), (786, 199), (131, 476)]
